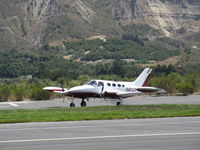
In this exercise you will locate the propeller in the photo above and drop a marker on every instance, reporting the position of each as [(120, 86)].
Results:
[(61, 85)]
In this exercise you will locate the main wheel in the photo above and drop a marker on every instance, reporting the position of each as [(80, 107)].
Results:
[(118, 103), (72, 104), (83, 104)]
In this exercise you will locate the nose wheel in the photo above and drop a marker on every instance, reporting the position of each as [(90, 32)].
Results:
[(72, 104), (83, 103)]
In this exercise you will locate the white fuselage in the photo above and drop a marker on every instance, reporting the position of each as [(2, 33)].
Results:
[(102, 88)]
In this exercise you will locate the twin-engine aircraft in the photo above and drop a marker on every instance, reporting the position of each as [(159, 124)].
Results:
[(108, 89)]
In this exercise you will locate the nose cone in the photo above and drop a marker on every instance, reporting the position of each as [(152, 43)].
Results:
[(82, 89)]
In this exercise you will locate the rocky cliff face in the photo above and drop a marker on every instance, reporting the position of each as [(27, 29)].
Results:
[(30, 23), (172, 17), (28, 19)]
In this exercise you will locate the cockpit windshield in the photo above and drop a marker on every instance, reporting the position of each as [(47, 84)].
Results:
[(92, 82)]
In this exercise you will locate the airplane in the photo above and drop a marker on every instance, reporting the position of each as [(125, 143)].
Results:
[(109, 89)]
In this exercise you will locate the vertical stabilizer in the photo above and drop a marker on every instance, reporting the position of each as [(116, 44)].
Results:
[(143, 78)]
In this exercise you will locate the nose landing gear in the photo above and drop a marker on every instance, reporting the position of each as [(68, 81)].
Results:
[(72, 104)]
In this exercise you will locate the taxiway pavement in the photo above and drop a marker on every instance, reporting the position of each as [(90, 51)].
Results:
[(138, 134), (137, 100)]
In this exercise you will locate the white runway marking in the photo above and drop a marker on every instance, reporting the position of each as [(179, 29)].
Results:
[(22, 102), (99, 125), (100, 137), (13, 104)]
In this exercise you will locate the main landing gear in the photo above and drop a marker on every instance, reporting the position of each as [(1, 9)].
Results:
[(83, 103), (119, 102), (72, 104)]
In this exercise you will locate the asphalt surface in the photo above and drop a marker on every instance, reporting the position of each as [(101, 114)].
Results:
[(138, 134), (138, 100)]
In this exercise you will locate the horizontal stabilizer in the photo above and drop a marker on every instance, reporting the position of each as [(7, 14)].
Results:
[(147, 89)]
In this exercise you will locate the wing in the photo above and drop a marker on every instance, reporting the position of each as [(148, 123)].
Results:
[(137, 91), (128, 94), (147, 89), (56, 89), (118, 94)]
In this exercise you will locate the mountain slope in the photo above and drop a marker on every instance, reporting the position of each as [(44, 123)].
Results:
[(27, 24), (172, 17)]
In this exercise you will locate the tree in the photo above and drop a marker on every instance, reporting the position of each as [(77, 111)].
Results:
[(117, 68), (43, 70)]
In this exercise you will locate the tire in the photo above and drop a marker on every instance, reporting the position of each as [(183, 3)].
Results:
[(72, 104), (118, 103), (83, 104)]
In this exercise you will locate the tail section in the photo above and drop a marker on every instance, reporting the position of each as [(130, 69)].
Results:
[(143, 78)]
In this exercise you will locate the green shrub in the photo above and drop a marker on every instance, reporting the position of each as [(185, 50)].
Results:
[(19, 93), (4, 92), (165, 83), (37, 93), (185, 88)]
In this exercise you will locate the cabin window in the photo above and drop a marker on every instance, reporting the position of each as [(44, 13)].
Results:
[(123, 86), (93, 83), (108, 84), (114, 85), (119, 85)]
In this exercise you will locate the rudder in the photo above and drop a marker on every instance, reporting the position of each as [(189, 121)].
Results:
[(143, 78)]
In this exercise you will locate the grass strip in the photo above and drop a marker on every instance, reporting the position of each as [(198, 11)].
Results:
[(98, 113)]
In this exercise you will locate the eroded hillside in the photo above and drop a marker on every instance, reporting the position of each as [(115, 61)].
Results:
[(172, 17), (26, 24)]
